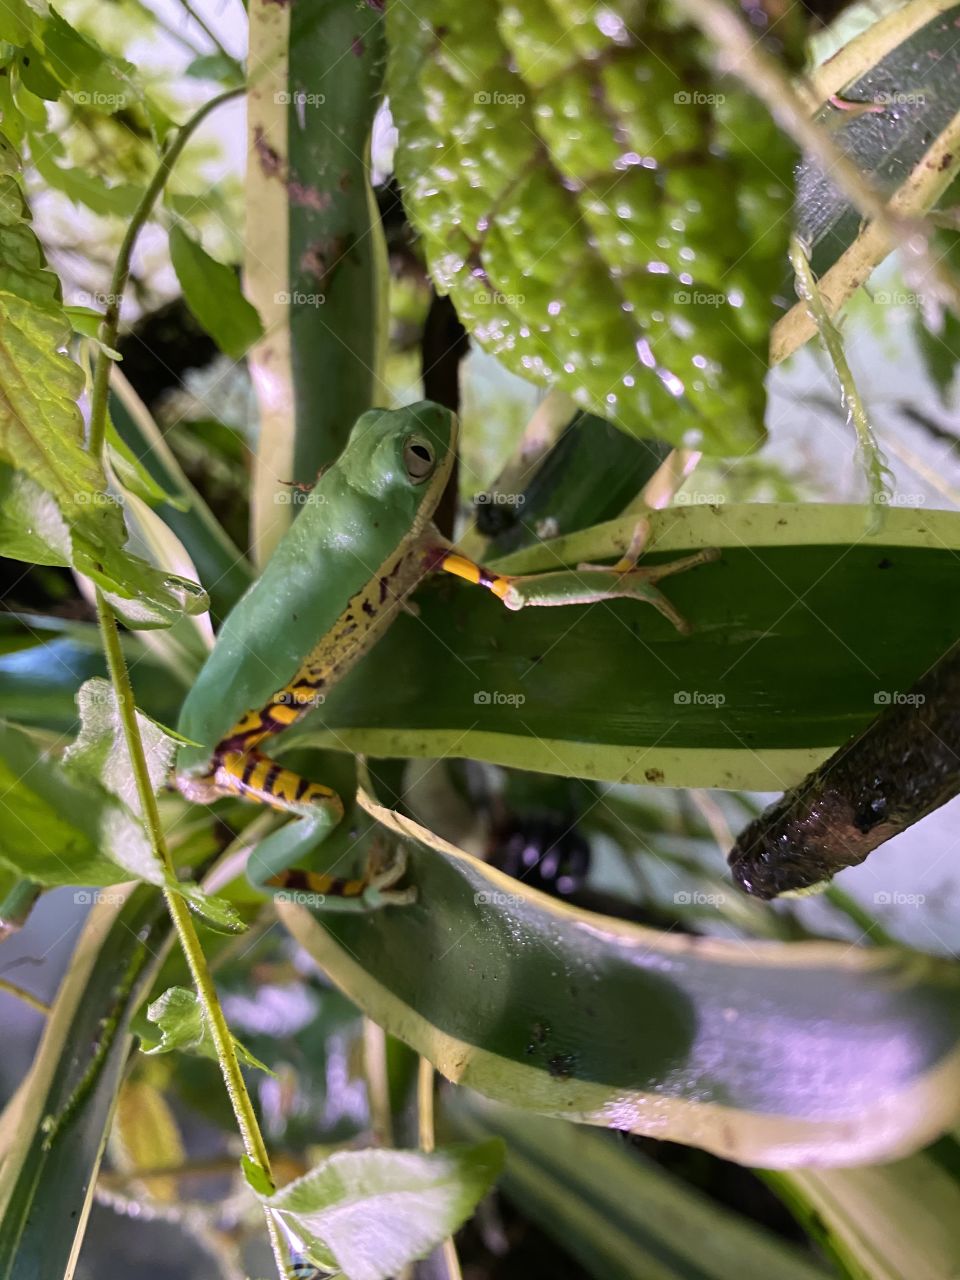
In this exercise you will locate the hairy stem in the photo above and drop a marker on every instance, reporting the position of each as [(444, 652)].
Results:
[(251, 1136)]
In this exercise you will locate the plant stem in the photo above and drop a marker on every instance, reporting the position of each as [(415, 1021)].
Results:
[(251, 1136), (427, 1143), (875, 464), (110, 324)]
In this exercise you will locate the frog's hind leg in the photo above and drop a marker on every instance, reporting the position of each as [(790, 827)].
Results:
[(258, 778), (324, 891)]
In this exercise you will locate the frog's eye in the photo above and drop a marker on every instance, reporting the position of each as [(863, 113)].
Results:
[(418, 458)]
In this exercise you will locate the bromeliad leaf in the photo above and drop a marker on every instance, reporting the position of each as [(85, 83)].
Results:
[(565, 167), (371, 1213), (212, 292), (184, 1026)]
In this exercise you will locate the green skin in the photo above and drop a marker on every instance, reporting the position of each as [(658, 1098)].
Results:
[(321, 597)]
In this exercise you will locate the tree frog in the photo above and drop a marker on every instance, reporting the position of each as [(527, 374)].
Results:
[(361, 543)]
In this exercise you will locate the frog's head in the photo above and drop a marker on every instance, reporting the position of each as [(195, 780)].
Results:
[(408, 451)]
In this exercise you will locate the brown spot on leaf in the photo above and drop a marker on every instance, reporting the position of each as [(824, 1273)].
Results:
[(654, 775), (307, 197), (271, 164)]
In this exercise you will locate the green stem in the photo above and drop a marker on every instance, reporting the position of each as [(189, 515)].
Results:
[(875, 464), (253, 1142), (110, 325), (251, 1136)]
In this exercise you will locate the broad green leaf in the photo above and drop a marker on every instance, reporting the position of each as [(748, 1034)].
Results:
[(617, 1211), (371, 1213), (59, 828), (565, 170), (52, 1133), (184, 1028), (763, 1053), (801, 629), (212, 292)]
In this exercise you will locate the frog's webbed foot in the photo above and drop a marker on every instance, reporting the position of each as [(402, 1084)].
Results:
[(385, 867)]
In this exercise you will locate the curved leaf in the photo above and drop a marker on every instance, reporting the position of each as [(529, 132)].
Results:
[(802, 628), (813, 1053)]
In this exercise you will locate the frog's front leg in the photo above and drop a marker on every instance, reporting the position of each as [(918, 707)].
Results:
[(588, 583)]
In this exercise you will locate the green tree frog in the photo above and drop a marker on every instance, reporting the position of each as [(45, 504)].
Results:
[(361, 543)]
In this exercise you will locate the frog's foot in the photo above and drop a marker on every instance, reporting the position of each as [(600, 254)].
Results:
[(385, 866)]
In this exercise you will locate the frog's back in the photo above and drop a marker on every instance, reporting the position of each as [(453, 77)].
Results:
[(341, 536)]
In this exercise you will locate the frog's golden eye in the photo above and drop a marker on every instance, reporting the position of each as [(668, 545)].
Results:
[(418, 458)]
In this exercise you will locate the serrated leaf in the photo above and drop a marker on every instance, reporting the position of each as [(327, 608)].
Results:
[(31, 526), (184, 1027), (372, 1213), (60, 828), (100, 750), (216, 912), (119, 199), (212, 292), (41, 429)]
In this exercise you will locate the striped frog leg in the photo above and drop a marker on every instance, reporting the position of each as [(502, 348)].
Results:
[(588, 583), (239, 766)]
